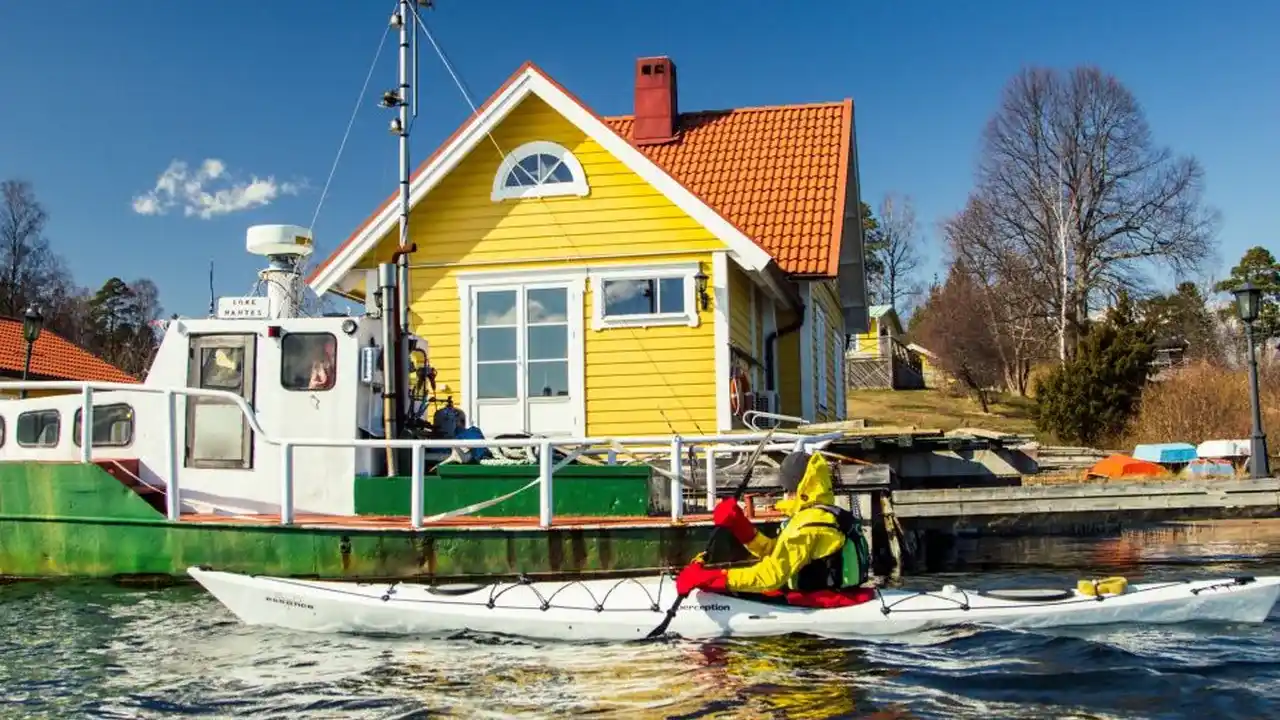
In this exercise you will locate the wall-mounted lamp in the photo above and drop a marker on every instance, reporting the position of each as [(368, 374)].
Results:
[(700, 283)]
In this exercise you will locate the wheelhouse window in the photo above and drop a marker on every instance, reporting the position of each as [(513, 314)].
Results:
[(39, 428), (539, 169), (308, 361), (222, 368), (644, 297), (2, 429), (112, 426)]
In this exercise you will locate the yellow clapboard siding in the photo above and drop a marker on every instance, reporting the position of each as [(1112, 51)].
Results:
[(789, 367), (687, 369), (739, 309), (636, 379), (651, 422), (685, 378), (685, 394), (824, 295)]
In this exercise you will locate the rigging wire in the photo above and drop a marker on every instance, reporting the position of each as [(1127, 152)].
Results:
[(350, 123), (346, 135)]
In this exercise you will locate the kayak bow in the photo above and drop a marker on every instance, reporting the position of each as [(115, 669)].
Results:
[(628, 609)]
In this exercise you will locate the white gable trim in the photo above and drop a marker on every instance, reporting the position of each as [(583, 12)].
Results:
[(743, 250), (720, 289)]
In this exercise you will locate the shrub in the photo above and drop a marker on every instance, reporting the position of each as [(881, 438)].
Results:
[(1206, 401), (1092, 397)]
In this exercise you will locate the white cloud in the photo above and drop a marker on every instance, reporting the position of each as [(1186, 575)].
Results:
[(209, 191)]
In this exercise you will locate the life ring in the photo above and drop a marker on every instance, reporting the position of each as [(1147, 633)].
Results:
[(738, 387)]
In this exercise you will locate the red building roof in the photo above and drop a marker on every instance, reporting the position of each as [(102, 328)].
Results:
[(777, 173), (53, 357)]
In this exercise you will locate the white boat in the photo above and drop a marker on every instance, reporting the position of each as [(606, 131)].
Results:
[(631, 608)]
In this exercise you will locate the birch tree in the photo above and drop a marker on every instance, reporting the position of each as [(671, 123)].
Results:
[(1080, 197)]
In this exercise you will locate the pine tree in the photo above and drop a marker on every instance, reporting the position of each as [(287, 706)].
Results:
[(1092, 397)]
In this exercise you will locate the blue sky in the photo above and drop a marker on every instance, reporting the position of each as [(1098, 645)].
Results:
[(97, 104)]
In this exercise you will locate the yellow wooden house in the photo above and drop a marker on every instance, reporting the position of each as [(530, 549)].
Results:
[(642, 274), (880, 357)]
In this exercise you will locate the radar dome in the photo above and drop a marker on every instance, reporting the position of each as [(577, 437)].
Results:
[(272, 240)]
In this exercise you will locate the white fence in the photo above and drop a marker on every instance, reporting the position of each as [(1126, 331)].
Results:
[(675, 446)]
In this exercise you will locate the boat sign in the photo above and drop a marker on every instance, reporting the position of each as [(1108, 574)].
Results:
[(244, 308)]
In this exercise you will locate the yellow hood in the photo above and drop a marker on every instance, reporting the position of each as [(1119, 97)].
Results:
[(814, 488)]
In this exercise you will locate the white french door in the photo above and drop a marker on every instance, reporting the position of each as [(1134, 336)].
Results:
[(526, 358)]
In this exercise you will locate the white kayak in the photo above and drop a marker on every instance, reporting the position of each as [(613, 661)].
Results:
[(629, 609)]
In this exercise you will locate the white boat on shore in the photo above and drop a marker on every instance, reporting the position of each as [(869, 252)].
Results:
[(631, 608)]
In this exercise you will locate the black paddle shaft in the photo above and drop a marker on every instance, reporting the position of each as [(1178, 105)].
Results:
[(737, 496)]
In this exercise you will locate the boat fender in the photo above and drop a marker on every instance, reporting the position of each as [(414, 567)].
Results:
[(1106, 586)]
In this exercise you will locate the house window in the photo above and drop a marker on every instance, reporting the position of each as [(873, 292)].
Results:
[(2, 428), (112, 426), (644, 296), (308, 361), (38, 428), (539, 169)]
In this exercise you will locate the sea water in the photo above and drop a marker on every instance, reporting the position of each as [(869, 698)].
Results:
[(101, 651)]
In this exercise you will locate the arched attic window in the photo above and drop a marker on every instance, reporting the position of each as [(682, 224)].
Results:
[(539, 169)]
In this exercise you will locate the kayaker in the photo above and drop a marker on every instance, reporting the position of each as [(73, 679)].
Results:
[(819, 564)]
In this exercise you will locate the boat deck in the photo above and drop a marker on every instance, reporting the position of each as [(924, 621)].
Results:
[(396, 522)]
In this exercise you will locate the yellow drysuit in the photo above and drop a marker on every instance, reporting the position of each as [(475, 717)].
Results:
[(798, 543)]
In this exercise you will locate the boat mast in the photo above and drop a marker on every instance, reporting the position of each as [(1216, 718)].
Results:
[(407, 24), (404, 100)]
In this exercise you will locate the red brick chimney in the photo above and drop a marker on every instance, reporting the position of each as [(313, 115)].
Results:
[(656, 112)]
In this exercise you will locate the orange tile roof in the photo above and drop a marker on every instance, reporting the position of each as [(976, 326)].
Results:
[(777, 173), (53, 357)]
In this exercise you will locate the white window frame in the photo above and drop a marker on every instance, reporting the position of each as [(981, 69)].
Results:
[(685, 270), (821, 337), (578, 186), (572, 277)]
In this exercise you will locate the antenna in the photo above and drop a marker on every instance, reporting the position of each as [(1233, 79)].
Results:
[(213, 299)]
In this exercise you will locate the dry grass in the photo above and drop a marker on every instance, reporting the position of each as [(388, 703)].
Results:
[(935, 409), (1204, 402)]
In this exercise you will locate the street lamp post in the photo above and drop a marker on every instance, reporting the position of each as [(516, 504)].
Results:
[(32, 321), (1248, 303)]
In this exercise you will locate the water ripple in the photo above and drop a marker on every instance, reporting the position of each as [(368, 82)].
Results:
[(95, 650)]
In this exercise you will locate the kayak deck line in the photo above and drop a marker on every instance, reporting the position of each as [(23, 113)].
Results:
[(962, 603), (399, 522), (629, 609)]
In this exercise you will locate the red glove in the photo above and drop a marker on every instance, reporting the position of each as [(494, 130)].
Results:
[(696, 577), (728, 515)]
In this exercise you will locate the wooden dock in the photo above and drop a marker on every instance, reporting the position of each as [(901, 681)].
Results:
[(1052, 509)]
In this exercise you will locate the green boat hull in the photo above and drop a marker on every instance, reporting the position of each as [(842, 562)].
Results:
[(71, 520)]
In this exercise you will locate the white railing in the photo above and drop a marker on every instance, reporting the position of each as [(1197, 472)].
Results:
[(713, 446)]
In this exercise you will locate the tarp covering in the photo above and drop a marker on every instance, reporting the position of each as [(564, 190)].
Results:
[(1119, 465)]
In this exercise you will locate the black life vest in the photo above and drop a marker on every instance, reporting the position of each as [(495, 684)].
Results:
[(847, 568)]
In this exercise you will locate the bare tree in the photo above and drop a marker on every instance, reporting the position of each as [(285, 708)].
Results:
[(961, 339), (1010, 292), (30, 272), (897, 253), (1075, 188)]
